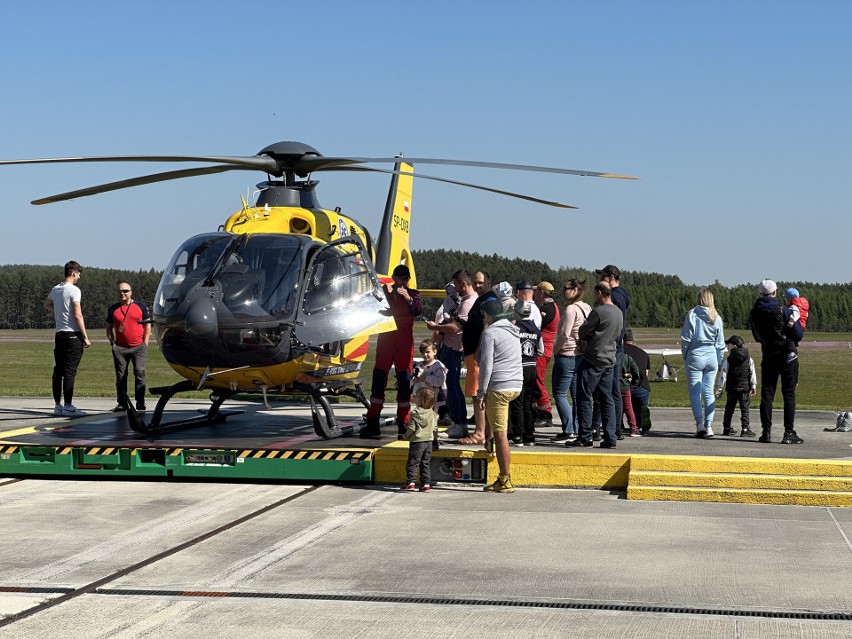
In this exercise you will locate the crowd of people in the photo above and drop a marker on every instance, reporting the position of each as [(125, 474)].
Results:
[(506, 337)]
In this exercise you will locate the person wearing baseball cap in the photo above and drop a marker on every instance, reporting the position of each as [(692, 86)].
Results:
[(768, 318), (799, 310), (737, 376), (524, 293), (611, 274), (501, 380)]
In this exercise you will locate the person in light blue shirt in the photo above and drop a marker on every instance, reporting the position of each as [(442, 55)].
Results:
[(702, 343)]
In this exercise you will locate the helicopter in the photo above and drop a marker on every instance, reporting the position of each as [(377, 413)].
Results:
[(283, 297)]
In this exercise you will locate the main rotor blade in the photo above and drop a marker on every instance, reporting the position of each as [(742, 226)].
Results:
[(264, 163), (145, 179), (328, 163), (438, 179)]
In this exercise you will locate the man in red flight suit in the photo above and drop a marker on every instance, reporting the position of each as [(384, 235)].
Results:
[(395, 348), (543, 296)]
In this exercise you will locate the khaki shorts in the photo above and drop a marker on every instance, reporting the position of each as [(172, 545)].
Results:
[(471, 382), (497, 409)]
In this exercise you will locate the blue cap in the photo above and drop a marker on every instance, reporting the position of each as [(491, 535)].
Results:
[(790, 293)]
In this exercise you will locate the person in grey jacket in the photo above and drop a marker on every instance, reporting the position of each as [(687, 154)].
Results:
[(599, 334), (501, 380)]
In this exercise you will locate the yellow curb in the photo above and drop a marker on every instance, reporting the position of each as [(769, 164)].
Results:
[(660, 477), (781, 497)]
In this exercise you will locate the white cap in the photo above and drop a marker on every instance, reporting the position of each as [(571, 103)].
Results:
[(767, 287), (503, 290)]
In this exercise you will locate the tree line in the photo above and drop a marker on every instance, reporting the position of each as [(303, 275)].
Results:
[(24, 287), (657, 300)]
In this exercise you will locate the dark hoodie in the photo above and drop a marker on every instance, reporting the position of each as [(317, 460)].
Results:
[(739, 371), (621, 298), (768, 318)]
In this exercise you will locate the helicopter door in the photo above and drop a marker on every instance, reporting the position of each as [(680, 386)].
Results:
[(341, 296)]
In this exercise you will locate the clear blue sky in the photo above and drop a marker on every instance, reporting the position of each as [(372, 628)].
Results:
[(736, 115)]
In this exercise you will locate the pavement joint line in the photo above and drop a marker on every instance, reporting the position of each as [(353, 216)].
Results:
[(602, 606), (94, 586), (840, 528)]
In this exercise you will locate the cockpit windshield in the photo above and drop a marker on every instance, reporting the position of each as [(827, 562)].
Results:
[(256, 275)]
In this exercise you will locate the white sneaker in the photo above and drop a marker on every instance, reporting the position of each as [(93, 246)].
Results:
[(708, 432), (69, 410), (57, 410)]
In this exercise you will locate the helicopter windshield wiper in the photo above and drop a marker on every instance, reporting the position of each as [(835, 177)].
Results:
[(235, 243)]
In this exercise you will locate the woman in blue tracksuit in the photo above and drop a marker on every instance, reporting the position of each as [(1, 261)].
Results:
[(702, 343)]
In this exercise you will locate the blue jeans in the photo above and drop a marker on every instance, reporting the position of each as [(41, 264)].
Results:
[(639, 397), (701, 368), (565, 383), (452, 359), (594, 382)]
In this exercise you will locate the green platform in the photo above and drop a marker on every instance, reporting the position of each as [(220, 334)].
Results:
[(210, 463)]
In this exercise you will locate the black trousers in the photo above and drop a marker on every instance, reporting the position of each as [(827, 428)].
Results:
[(419, 454), (772, 367), (67, 353), (734, 398), (522, 408)]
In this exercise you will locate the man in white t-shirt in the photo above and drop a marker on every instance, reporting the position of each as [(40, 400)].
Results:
[(71, 338)]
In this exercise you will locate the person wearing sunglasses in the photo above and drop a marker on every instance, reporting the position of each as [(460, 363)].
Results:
[(128, 330)]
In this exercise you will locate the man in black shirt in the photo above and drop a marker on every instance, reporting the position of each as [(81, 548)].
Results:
[(768, 318), (470, 344)]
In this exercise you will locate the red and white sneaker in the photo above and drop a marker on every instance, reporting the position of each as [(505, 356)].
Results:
[(409, 485), (425, 488)]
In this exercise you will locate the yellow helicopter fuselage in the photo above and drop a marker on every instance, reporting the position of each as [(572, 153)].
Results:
[(333, 364)]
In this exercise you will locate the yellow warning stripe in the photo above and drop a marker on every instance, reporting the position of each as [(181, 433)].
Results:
[(324, 455)]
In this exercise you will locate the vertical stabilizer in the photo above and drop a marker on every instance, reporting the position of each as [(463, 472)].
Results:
[(393, 246)]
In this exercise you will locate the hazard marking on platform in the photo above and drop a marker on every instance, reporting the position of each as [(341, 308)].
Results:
[(313, 455)]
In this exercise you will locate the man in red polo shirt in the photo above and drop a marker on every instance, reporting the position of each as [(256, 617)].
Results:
[(129, 340)]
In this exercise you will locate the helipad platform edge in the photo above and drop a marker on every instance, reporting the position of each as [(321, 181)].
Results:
[(333, 465)]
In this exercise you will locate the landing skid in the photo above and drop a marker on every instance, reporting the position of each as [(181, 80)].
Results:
[(212, 416), (322, 414)]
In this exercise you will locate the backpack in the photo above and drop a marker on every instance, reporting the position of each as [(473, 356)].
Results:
[(844, 422)]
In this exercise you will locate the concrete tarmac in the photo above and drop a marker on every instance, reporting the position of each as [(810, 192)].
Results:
[(374, 562), (170, 559)]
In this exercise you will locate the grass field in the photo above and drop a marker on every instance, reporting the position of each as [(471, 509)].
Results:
[(26, 363)]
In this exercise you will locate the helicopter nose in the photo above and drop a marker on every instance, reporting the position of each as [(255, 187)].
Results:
[(201, 319)]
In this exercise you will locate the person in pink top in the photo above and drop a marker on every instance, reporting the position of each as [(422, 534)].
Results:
[(567, 355)]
